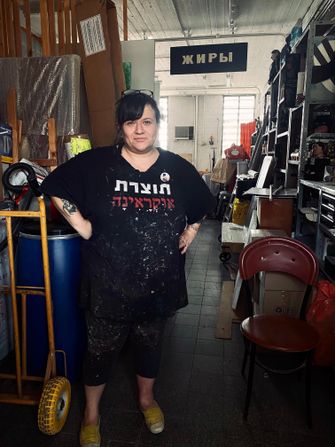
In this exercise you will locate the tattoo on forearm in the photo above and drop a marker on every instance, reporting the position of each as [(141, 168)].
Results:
[(69, 207)]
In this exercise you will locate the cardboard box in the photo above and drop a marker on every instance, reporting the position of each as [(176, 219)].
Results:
[(282, 302), (276, 214), (278, 294), (233, 237), (282, 281), (96, 23)]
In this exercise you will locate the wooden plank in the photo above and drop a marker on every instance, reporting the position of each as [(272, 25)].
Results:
[(3, 49), (44, 162), (227, 316), (60, 24), (52, 31), (29, 39), (74, 27), (125, 19), (9, 28), (52, 139), (17, 29), (67, 21), (45, 28), (13, 122)]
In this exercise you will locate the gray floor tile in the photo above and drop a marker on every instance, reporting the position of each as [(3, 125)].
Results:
[(187, 319)]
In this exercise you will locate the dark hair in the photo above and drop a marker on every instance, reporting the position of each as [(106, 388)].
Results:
[(275, 52), (131, 106)]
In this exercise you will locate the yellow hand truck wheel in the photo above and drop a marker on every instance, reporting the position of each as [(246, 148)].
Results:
[(54, 405)]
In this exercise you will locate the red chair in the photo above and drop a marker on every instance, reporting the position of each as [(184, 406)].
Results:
[(284, 337)]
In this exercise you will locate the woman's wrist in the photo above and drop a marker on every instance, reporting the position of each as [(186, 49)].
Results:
[(195, 226)]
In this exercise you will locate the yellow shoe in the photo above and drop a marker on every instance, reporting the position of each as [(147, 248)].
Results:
[(90, 436), (154, 419)]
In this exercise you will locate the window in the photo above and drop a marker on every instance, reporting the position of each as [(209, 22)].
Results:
[(162, 137), (236, 110)]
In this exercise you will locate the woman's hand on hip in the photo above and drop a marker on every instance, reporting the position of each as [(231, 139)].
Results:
[(187, 236)]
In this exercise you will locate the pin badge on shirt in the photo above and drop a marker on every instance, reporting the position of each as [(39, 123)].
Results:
[(165, 177)]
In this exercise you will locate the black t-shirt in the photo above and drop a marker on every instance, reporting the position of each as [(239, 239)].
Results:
[(132, 263)]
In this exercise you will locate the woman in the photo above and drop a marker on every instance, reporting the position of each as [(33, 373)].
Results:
[(138, 209)]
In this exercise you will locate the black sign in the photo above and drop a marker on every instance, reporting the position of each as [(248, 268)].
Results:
[(208, 58)]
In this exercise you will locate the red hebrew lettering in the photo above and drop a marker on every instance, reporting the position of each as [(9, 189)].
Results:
[(116, 201), (170, 203), (155, 203), (138, 203), (148, 201)]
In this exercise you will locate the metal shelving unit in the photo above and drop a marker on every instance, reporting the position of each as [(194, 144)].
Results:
[(313, 98)]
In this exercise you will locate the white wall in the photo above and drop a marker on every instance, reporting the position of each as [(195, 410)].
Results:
[(209, 124), (141, 54), (181, 112), (204, 112)]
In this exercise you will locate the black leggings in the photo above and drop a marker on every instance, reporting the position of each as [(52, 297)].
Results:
[(106, 338)]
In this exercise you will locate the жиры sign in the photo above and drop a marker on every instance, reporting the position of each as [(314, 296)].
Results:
[(208, 58)]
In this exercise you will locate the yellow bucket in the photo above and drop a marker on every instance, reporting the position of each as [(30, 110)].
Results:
[(240, 211)]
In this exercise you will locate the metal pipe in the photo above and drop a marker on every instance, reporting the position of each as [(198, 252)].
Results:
[(196, 120), (219, 36)]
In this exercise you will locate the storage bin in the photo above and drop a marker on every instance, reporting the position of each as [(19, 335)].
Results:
[(64, 258)]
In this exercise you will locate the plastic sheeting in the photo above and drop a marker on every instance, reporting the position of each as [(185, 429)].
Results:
[(46, 87)]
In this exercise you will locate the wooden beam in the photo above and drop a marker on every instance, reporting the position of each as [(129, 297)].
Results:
[(3, 49), (17, 30), (52, 31), (74, 26), (67, 21), (60, 23), (125, 19), (9, 28), (29, 39), (45, 28)]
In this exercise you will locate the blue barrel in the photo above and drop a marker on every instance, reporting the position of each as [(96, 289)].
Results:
[(68, 319)]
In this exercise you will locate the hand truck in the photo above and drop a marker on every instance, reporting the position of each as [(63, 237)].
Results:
[(54, 399)]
